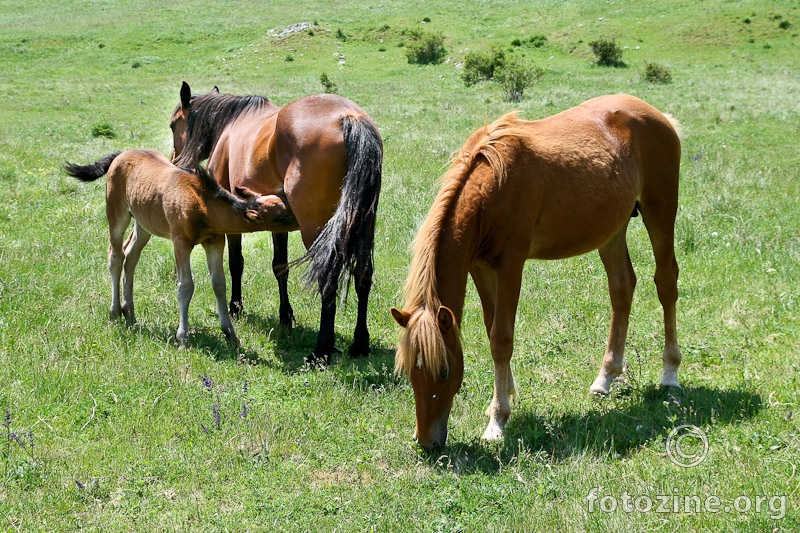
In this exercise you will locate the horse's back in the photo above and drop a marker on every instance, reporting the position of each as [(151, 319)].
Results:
[(573, 179)]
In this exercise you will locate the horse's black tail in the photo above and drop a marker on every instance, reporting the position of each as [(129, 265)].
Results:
[(345, 244), (91, 172)]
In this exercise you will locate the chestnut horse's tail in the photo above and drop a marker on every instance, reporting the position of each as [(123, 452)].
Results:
[(345, 244), (91, 172)]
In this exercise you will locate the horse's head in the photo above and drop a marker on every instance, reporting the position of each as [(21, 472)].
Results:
[(267, 211), (179, 122), (430, 353)]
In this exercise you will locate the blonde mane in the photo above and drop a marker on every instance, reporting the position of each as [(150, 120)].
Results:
[(422, 344)]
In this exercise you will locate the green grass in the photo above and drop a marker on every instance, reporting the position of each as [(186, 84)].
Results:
[(126, 436)]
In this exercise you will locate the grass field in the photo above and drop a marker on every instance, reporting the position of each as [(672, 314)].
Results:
[(116, 429)]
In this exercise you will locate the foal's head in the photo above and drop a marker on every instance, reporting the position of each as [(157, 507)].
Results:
[(431, 355)]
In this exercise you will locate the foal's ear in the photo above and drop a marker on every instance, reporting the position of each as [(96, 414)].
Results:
[(401, 317), (245, 192), (251, 215), (445, 319), (215, 90), (186, 95)]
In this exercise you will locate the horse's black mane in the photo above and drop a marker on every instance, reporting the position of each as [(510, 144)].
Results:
[(208, 116)]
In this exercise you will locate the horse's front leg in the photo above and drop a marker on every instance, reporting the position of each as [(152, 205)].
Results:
[(183, 251), (280, 267), (236, 266), (499, 293), (214, 251), (621, 284)]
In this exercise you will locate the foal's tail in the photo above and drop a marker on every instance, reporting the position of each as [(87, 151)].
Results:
[(91, 172), (344, 246)]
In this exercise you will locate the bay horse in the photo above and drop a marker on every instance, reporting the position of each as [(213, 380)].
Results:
[(322, 153), (547, 189), (187, 208)]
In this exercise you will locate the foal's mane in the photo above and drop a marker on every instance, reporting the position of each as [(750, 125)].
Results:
[(209, 114), (210, 184), (422, 344)]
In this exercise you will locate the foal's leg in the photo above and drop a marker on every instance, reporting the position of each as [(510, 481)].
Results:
[(117, 224), (214, 251), (236, 266), (137, 240), (621, 283), (280, 267), (363, 283), (662, 235), (499, 294), (183, 251)]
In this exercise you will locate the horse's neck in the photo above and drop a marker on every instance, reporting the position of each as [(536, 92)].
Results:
[(453, 260)]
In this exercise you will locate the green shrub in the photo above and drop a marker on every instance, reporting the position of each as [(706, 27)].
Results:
[(327, 83), (103, 129), (537, 41), (515, 75), (607, 53), (340, 35), (425, 48), (481, 65), (655, 73)]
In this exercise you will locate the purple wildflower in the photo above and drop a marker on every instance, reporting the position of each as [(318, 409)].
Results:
[(217, 417), (207, 382), (13, 436), (7, 421), (80, 485)]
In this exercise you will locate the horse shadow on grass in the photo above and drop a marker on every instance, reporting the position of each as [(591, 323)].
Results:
[(613, 427), (293, 345)]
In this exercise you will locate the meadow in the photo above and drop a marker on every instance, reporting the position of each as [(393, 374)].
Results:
[(109, 428)]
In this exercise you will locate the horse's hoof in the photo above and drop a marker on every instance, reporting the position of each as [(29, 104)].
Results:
[(359, 351), (236, 309)]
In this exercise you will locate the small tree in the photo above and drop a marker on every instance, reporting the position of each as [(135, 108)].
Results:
[(607, 53), (515, 75), (327, 83)]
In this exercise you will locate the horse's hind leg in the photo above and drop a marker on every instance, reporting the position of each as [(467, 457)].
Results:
[(236, 266), (280, 267), (363, 283), (661, 228), (621, 284), (117, 224), (137, 240), (214, 251)]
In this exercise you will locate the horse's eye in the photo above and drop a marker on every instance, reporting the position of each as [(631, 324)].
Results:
[(445, 374)]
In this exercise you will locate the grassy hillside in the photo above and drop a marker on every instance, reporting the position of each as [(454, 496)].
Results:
[(110, 428)]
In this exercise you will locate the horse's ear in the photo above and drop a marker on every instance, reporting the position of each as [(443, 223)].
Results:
[(445, 319), (251, 215), (186, 95), (215, 89), (245, 192), (401, 317)]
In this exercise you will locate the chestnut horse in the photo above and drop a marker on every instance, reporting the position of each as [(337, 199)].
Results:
[(187, 208), (324, 154), (547, 189)]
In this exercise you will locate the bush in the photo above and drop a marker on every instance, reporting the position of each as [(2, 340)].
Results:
[(481, 65), (103, 129), (607, 53), (327, 83), (655, 73), (515, 75), (425, 48)]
